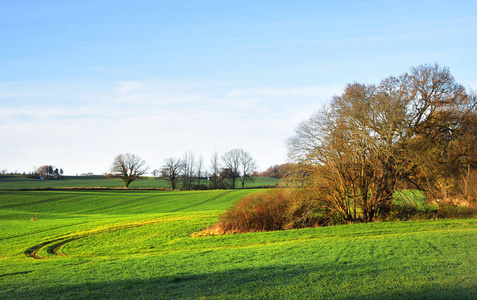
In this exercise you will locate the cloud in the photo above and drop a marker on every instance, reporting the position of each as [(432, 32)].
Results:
[(318, 92), (155, 119)]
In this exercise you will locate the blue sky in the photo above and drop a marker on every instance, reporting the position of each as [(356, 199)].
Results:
[(82, 81)]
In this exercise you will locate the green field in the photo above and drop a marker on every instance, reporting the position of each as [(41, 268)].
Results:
[(18, 182), (120, 244)]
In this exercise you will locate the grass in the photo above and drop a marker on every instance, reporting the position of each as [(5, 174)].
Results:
[(18, 182), (410, 197), (138, 244)]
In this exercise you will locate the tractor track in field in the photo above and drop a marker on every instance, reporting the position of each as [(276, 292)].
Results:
[(35, 202), (115, 205), (201, 202), (41, 231), (53, 246)]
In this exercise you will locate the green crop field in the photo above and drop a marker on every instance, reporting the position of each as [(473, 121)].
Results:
[(133, 244), (17, 182)]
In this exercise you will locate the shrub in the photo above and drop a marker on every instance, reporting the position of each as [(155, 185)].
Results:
[(452, 211), (277, 209), (450, 208), (411, 212)]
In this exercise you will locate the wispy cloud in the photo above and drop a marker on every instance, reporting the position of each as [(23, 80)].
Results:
[(318, 92), (156, 119)]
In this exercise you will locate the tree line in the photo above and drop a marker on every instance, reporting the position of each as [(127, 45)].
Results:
[(48, 172), (42, 172), (234, 167), (416, 131), (413, 131)]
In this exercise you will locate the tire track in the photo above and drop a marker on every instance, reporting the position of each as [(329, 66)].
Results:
[(33, 251), (201, 202), (41, 231), (115, 205), (53, 246), (35, 202)]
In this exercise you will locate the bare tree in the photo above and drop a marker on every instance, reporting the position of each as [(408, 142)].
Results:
[(248, 166), (354, 154), (200, 166), (188, 170), (214, 170), (128, 167), (171, 170), (156, 173), (231, 162)]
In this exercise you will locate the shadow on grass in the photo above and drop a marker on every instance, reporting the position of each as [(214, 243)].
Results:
[(337, 281)]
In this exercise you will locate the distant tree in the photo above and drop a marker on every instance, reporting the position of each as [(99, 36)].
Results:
[(200, 171), (247, 165), (188, 170), (231, 161), (128, 167), (156, 173), (47, 172), (171, 170), (214, 170), (225, 175), (277, 171), (43, 171)]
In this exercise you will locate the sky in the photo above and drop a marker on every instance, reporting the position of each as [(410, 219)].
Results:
[(83, 81)]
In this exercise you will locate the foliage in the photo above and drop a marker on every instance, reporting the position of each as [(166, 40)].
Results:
[(277, 209), (418, 128), (48, 172), (411, 205), (451, 211), (278, 171)]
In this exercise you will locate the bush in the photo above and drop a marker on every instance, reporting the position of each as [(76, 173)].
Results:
[(454, 208), (277, 209), (411, 212), (451, 211)]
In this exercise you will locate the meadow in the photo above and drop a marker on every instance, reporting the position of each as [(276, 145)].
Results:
[(18, 182), (123, 244)]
